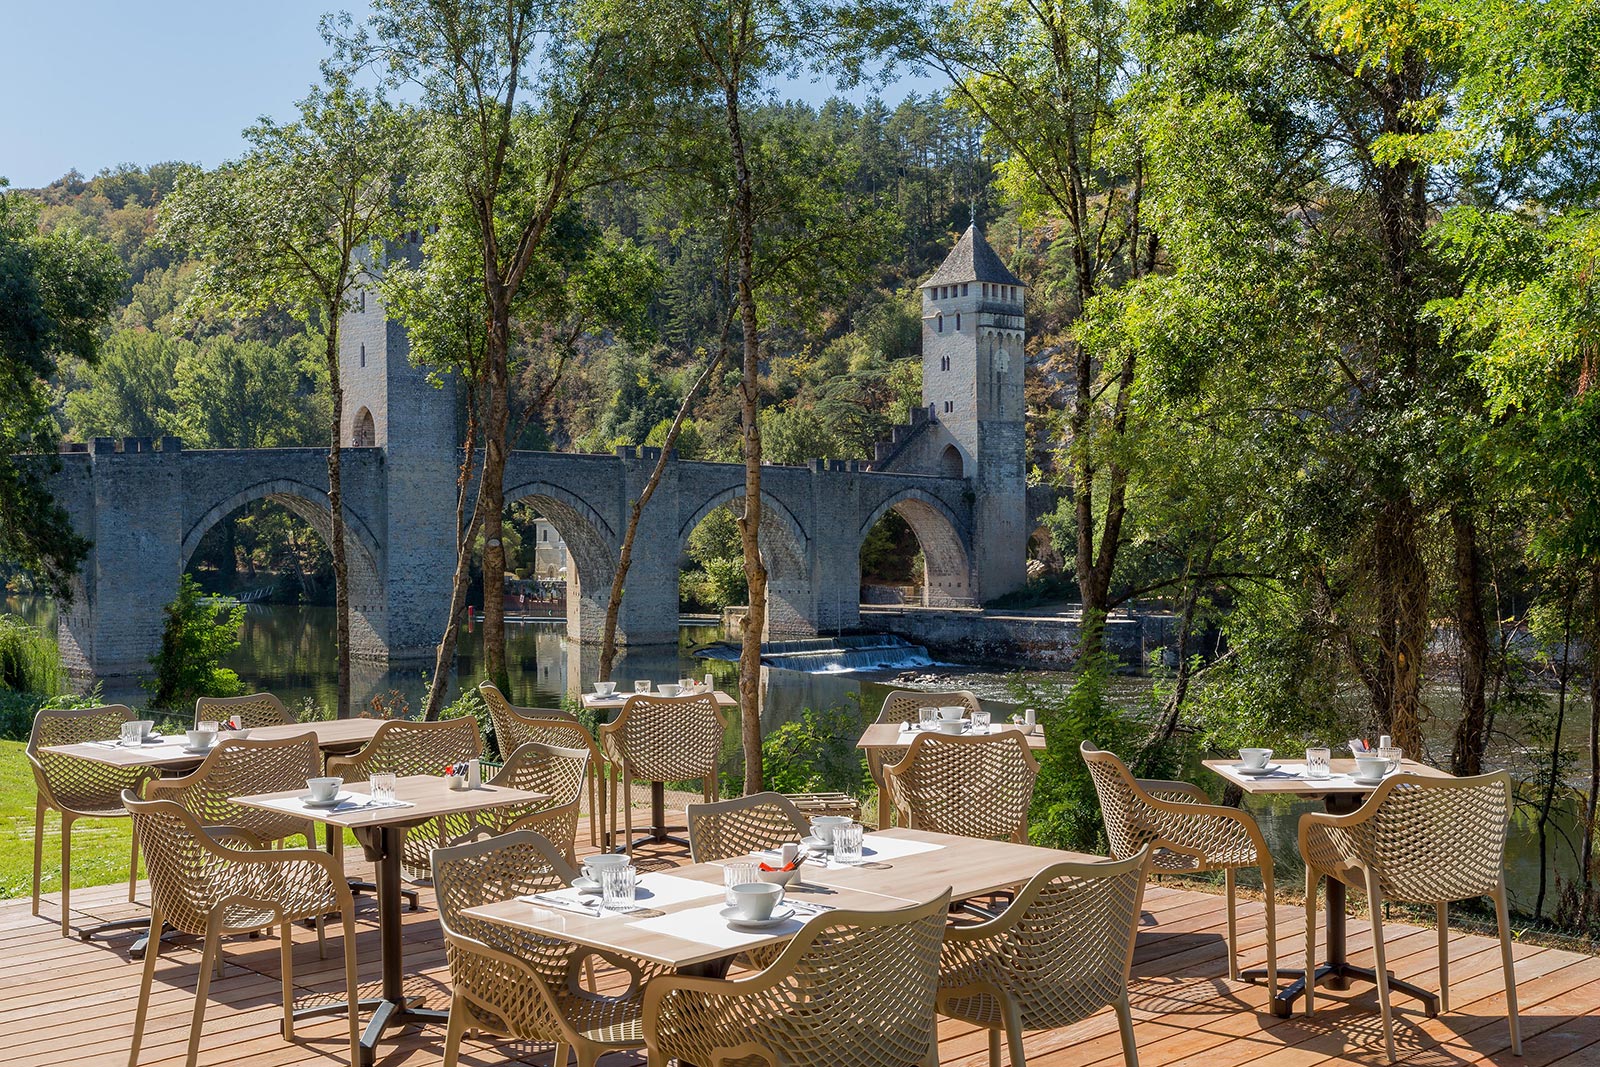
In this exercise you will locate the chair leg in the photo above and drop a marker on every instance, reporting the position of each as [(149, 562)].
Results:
[(1380, 964), (1504, 922), (594, 806), (1233, 926), (133, 869), (151, 951), (1442, 914), (66, 874), (1130, 1051), (322, 937), (38, 848), (1014, 1038), (627, 811), (558, 1058), (1269, 890), (286, 964), (203, 985), (454, 1032), (1312, 881), (350, 992), (994, 1048)]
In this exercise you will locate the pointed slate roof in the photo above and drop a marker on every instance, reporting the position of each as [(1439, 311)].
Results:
[(972, 260)]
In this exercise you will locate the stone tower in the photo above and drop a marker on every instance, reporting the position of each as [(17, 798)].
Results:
[(972, 370)]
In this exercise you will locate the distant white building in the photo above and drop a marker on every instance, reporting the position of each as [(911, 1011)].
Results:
[(549, 551)]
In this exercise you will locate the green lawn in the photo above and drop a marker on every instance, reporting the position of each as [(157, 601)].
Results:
[(99, 846)]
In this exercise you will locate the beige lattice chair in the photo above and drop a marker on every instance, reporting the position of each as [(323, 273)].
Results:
[(518, 984), (743, 825), (254, 711), (902, 706), (213, 881), (403, 748), (853, 989), (536, 768), (1417, 840), (1059, 953), (663, 739), (971, 786), (78, 788), (1187, 835), (516, 726)]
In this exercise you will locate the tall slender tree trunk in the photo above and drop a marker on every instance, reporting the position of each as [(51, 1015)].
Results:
[(341, 568), (1466, 757), (1553, 772), (491, 493), (466, 533), (1402, 579), (755, 570), (1591, 821)]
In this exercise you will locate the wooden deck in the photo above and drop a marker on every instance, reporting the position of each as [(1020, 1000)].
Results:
[(70, 1002)]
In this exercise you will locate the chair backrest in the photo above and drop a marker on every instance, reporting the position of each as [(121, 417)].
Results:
[(176, 861), (738, 827), (1068, 939), (515, 726), (236, 768), (1437, 838), (403, 747), (546, 769), (666, 739), (973, 786), (81, 785), (253, 711), (1122, 803), (903, 705)]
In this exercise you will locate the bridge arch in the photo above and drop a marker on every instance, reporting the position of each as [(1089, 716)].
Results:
[(942, 537), (590, 540), (785, 549)]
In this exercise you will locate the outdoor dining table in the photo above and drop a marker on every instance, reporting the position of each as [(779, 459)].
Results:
[(381, 830), (883, 735), (1340, 794)]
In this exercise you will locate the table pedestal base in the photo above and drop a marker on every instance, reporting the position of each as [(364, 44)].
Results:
[(1336, 976), (658, 823)]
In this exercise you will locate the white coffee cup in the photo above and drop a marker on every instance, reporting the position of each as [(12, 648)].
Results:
[(822, 827), (146, 727), (1255, 758), (605, 689), (755, 900), (668, 689), (952, 713), (1372, 766), (593, 865), (199, 739), (949, 726), (323, 789)]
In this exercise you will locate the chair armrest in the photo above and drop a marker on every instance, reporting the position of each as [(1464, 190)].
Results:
[(1207, 830), (228, 836), (1173, 792), (497, 982)]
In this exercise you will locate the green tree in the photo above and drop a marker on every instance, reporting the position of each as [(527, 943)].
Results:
[(246, 394), (287, 226), (195, 639), (128, 392), (56, 293)]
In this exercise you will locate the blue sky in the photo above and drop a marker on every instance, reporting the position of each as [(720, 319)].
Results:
[(91, 84)]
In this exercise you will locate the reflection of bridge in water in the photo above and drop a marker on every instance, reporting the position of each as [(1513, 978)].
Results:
[(954, 473)]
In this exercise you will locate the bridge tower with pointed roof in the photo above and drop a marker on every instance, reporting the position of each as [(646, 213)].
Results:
[(972, 371)]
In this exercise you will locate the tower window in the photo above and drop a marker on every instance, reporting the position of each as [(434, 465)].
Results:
[(363, 355), (944, 364), (963, 288), (949, 406), (939, 325), (958, 322), (986, 290)]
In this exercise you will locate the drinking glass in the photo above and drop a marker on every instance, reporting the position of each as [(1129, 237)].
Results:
[(687, 685), (737, 874), (383, 787), (980, 721), (616, 886), (1317, 765), (1394, 755), (926, 717), (847, 843), (214, 727), (132, 734), (642, 687)]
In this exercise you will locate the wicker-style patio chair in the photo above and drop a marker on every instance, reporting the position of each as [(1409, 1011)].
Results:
[(517, 984), (402, 747), (973, 786), (78, 788), (213, 881), (538, 769), (663, 739), (1058, 954), (1188, 835), (853, 989), (1417, 840), (901, 706), (743, 825), (253, 711), (515, 726)]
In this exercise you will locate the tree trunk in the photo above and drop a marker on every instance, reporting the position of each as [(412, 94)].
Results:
[(1553, 772), (466, 533), (1466, 757), (336, 539), (491, 493), (1172, 713), (1402, 580), (1591, 821), (755, 570), (608, 639)]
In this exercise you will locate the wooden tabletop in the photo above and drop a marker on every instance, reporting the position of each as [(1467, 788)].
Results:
[(966, 866), (1294, 782), (331, 734), (889, 735), (615, 701), (426, 795)]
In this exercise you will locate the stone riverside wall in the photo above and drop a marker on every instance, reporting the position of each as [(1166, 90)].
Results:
[(1022, 641)]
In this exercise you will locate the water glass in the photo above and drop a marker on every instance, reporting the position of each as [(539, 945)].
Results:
[(617, 885), (383, 788), (1317, 765), (980, 721), (737, 874), (642, 687), (132, 734), (1394, 754), (847, 843), (926, 717), (214, 727), (687, 685)]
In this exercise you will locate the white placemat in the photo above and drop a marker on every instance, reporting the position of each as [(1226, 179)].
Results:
[(1285, 772), (873, 848), (658, 890), (357, 802), (706, 926)]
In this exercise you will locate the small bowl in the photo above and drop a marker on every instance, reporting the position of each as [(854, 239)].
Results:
[(605, 689), (235, 735), (669, 689), (783, 878)]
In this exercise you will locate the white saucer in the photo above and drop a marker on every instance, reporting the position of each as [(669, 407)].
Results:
[(191, 750), (1358, 780), (586, 886), (338, 798), (816, 845), (1255, 772), (780, 915)]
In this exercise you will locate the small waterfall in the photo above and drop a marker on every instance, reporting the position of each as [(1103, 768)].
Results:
[(832, 655)]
